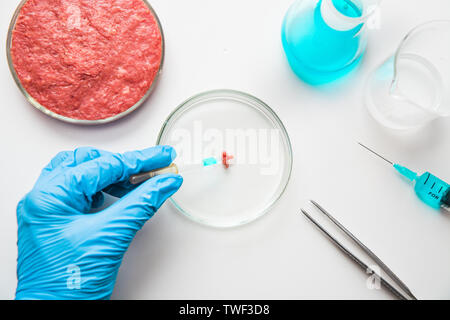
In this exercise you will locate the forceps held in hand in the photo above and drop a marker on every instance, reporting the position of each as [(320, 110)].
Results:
[(360, 263)]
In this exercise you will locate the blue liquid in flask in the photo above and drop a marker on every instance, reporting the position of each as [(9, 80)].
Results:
[(317, 53)]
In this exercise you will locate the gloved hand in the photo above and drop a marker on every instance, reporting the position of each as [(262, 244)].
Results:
[(66, 252)]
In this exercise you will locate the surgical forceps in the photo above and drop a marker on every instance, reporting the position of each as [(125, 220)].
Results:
[(409, 295)]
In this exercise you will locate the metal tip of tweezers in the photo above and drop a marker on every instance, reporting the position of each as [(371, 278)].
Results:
[(365, 249)]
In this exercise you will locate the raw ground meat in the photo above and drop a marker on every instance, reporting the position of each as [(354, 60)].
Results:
[(86, 59)]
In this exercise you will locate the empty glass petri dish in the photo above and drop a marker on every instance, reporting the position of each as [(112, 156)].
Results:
[(205, 126)]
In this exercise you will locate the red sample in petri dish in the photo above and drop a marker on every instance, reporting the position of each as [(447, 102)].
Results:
[(226, 158), (92, 61)]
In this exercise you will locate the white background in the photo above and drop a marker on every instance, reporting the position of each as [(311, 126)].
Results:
[(236, 44)]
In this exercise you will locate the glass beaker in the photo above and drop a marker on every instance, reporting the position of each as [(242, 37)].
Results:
[(412, 88), (325, 39)]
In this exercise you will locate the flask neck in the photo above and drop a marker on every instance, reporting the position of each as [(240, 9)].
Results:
[(345, 15)]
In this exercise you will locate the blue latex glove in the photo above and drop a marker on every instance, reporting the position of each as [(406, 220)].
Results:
[(66, 252)]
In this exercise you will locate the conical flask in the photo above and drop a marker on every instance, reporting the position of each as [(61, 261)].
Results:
[(325, 39)]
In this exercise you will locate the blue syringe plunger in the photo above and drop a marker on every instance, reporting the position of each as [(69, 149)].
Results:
[(446, 201)]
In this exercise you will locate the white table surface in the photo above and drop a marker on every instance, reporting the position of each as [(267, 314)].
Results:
[(236, 44)]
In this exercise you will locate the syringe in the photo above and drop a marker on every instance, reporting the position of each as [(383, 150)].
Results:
[(429, 188), (226, 161)]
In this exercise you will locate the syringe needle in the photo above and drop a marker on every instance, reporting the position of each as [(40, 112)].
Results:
[(429, 188), (376, 153)]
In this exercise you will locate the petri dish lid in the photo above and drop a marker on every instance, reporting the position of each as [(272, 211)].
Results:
[(204, 127)]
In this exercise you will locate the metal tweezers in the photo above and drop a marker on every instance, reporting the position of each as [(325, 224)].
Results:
[(384, 267)]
